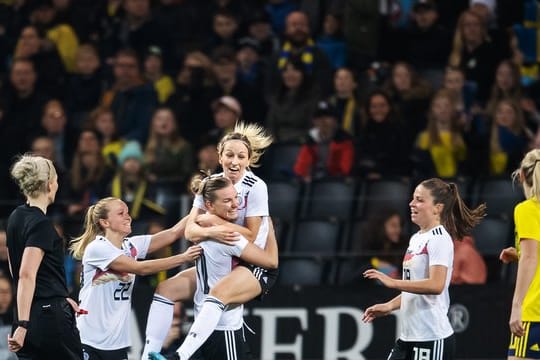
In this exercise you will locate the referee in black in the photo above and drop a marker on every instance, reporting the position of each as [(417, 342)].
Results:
[(44, 326)]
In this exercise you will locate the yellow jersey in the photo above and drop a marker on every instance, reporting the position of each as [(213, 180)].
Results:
[(527, 222)]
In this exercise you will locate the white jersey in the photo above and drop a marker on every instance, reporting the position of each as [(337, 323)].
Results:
[(106, 294), (425, 317), (215, 263), (253, 201)]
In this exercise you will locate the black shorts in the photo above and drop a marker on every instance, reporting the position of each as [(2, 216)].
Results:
[(526, 346), (91, 353), (443, 349), (224, 345), (52, 333), (266, 277)]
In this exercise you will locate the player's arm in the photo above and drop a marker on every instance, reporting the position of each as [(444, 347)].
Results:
[(267, 258), (383, 309), (433, 285), (127, 264), (168, 236), (253, 223), (196, 232)]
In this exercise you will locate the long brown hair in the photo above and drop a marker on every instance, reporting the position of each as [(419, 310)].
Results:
[(456, 217)]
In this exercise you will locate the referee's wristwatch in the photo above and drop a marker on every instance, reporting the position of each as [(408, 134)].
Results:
[(23, 323)]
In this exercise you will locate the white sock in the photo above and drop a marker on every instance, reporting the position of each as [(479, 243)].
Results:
[(159, 322), (204, 325)]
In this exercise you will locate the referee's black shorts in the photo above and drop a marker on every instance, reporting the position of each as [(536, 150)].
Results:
[(52, 332)]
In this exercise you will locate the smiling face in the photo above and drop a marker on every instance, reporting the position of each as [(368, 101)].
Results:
[(118, 219), (163, 123), (234, 159), (424, 212), (225, 204)]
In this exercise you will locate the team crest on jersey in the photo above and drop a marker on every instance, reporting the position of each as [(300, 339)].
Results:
[(103, 277), (410, 254)]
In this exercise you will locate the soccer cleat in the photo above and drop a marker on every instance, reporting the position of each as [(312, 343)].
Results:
[(157, 356)]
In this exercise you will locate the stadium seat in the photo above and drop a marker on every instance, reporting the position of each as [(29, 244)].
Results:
[(500, 196), (301, 272), (316, 237), (330, 199), (492, 235), (284, 198), (278, 162), (380, 194)]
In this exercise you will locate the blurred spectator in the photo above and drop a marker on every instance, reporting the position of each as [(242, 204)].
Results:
[(328, 150), (501, 37), (89, 176), (21, 105), (135, 28), (49, 68), (85, 85), (299, 47), (130, 184), (131, 99), (428, 43), (6, 314), (464, 93), (227, 111), (82, 15), (469, 266), (193, 96), (58, 33), (384, 238), (101, 120), (4, 263), (382, 145), (441, 149), (44, 146), (507, 85), (153, 72), (345, 100), (278, 11), (225, 31), (509, 138), (291, 107), (250, 96), (250, 66), (410, 94), (168, 156), (55, 125), (331, 41), (208, 159), (475, 53), (260, 29)]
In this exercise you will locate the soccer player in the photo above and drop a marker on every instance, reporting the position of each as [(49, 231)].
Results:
[(426, 333)]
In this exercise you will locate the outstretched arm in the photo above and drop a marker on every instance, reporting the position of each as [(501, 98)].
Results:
[(434, 284), (383, 309), (168, 236)]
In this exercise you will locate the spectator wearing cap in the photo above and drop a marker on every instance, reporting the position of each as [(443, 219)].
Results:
[(293, 104), (250, 67), (226, 73), (130, 184), (227, 111), (299, 46), (328, 150), (260, 29), (428, 43), (153, 72), (331, 41)]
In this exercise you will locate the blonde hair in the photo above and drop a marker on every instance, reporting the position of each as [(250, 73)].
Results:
[(207, 185), (432, 127), (459, 42), (32, 174), (529, 174), (92, 227), (254, 136)]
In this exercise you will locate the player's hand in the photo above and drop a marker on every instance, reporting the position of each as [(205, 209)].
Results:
[(377, 275), (376, 311), (192, 253), (508, 255), (516, 327), (16, 342), (223, 234)]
